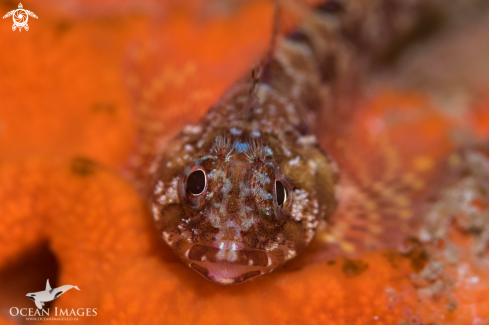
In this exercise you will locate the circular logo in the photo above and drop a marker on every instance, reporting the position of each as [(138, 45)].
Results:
[(20, 17)]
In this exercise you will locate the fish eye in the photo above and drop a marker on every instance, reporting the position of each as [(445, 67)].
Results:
[(196, 182), (281, 193)]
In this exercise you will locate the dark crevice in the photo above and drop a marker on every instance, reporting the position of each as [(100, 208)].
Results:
[(27, 274)]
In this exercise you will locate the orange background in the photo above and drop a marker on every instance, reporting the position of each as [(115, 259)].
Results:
[(72, 92)]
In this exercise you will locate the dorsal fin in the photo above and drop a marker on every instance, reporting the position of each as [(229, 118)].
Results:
[(48, 286), (275, 30)]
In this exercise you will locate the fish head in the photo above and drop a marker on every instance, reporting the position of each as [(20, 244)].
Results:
[(230, 217)]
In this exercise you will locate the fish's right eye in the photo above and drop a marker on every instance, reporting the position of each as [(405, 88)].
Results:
[(281, 193), (193, 186)]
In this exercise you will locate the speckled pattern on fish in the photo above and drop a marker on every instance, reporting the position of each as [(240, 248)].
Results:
[(244, 191)]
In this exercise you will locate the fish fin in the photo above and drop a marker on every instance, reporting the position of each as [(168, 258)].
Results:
[(48, 286), (390, 160), (76, 287)]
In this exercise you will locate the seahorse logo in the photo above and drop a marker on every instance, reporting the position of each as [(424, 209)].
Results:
[(20, 17)]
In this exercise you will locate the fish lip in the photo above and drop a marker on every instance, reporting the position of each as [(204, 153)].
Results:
[(228, 255), (227, 273), (228, 262), (31, 298)]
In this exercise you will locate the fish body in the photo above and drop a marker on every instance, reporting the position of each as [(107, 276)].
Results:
[(244, 191)]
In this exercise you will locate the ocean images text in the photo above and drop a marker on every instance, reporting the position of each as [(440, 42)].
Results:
[(14, 311)]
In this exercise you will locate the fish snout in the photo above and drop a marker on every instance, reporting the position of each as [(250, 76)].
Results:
[(228, 262)]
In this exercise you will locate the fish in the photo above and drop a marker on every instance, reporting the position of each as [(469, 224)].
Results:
[(49, 294), (244, 191)]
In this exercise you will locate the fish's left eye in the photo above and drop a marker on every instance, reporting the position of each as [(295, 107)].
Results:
[(196, 182), (281, 191)]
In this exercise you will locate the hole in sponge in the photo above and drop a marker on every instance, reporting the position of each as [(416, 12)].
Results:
[(28, 273)]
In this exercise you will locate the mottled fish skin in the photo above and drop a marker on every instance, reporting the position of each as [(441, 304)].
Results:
[(255, 136)]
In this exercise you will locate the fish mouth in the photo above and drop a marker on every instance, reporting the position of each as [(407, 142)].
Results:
[(31, 298), (228, 263)]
